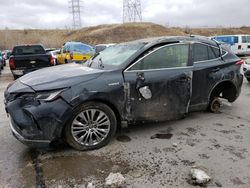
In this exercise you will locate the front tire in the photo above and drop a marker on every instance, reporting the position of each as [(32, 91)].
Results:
[(92, 126)]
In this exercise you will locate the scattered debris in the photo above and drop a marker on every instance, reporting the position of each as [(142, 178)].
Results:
[(218, 184), (199, 176), (175, 145), (90, 185), (162, 136), (123, 138), (115, 180)]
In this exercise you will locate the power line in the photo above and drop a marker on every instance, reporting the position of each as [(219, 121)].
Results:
[(132, 11), (75, 10)]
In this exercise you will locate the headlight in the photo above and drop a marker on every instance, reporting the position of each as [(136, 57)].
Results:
[(49, 96)]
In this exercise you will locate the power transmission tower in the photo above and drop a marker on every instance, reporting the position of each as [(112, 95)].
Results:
[(75, 10), (132, 11)]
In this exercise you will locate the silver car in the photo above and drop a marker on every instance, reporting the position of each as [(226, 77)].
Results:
[(246, 69)]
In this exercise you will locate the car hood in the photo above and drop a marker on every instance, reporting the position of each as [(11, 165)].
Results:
[(58, 77)]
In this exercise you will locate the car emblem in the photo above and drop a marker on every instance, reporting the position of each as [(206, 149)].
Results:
[(33, 62)]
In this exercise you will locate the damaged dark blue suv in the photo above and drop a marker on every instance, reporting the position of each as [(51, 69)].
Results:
[(147, 80)]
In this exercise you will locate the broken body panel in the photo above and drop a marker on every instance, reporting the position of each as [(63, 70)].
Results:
[(41, 105)]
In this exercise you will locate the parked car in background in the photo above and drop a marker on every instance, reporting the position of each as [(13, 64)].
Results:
[(246, 69), (3, 62), (54, 54), (8, 53), (4, 57), (49, 49), (101, 47), (75, 52), (147, 80), (239, 44), (28, 58)]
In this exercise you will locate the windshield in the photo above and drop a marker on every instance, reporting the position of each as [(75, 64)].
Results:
[(115, 56), (82, 48)]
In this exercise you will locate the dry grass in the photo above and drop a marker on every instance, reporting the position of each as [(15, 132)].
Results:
[(114, 33)]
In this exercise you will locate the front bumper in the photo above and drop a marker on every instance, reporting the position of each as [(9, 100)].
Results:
[(36, 123), (28, 142)]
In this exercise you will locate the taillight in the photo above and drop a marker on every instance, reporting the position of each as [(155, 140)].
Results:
[(71, 56), (239, 47), (51, 60), (12, 64), (240, 62)]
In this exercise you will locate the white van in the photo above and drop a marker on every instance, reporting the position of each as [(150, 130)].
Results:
[(239, 44)]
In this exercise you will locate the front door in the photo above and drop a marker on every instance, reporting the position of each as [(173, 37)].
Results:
[(160, 84)]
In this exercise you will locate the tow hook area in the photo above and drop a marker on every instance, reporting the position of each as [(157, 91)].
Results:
[(215, 105)]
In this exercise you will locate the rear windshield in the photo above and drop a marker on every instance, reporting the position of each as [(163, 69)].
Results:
[(28, 50)]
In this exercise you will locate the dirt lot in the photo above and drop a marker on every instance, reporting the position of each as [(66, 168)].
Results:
[(219, 142)]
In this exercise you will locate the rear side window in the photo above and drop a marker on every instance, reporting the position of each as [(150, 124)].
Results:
[(236, 39), (166, 57), (244, 39), (202, 52), (27, 50)]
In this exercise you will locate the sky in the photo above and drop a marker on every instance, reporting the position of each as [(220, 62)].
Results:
[(51, 14)]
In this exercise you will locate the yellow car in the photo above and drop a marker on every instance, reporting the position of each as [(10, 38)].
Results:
[(75, 52)]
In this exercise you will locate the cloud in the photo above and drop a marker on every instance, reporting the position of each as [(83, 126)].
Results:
[(55, 14)]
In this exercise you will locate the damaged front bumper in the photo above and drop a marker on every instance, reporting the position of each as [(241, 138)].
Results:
[(37, 123), (28, 142)]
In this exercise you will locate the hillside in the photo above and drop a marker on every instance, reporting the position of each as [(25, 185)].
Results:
[(114, 33)]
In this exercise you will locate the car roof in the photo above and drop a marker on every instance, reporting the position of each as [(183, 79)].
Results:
[(173, 39)]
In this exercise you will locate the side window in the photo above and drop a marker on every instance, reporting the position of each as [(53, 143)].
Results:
[(166, 57), (236, 39), (244, 39), (213, 53), (200, 52), (248, 39)]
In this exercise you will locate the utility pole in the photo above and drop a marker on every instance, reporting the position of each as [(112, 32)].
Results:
[(132, 11), (75, 10)]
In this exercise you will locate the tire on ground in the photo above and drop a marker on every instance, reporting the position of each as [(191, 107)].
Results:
[(86, 106)]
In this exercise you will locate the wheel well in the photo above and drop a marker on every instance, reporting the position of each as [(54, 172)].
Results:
[(109, 104), (226, 90)]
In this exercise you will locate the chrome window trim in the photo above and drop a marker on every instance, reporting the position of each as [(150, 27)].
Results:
[(127, 69), (196, 62)]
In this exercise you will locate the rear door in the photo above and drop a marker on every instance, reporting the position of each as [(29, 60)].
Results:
[(160, 83), (208, 70)]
